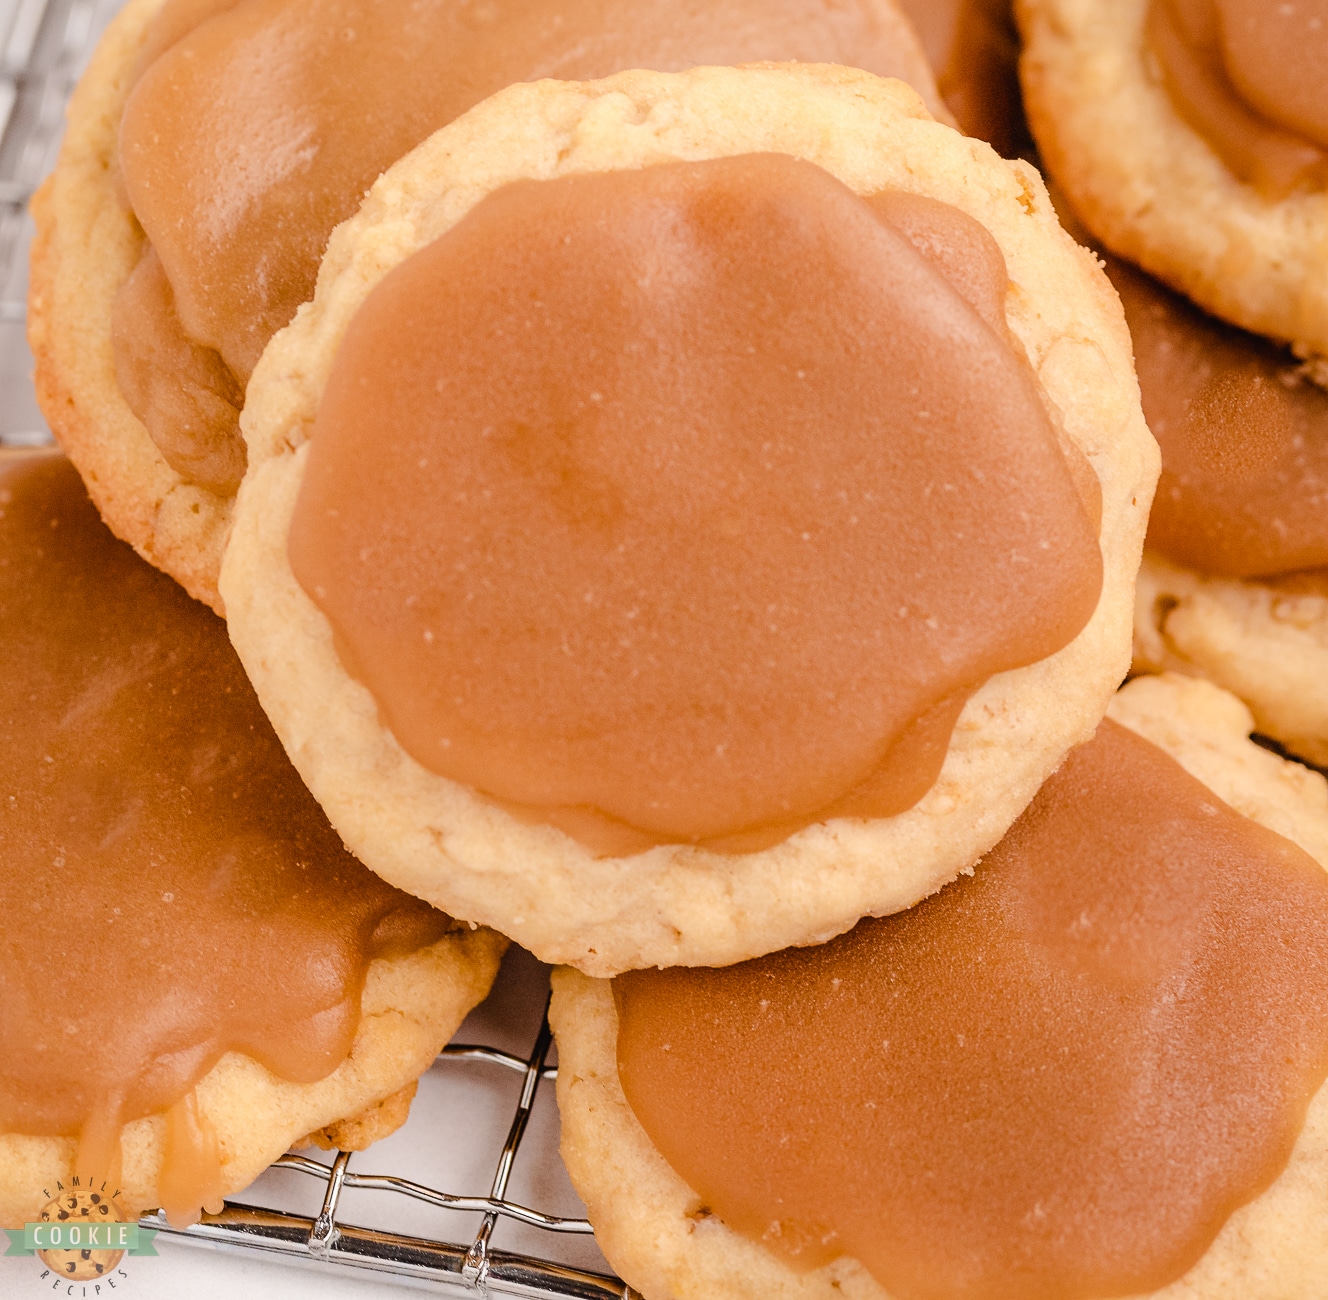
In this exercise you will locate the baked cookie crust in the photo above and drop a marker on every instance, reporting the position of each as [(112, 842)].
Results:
[(87, 244), (1265, 641), (410, 1007), (659, 1236), (1152, 189), (679, 905)]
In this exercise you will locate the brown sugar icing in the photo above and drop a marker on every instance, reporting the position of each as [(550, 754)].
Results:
[(1054, 1080), (184, 393), (689, 504), (257, 125), (973, 47), (1248, 75), (1244, 438), (170, 890)]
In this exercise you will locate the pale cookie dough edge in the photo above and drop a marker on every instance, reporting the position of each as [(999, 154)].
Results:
[(1266, 643)]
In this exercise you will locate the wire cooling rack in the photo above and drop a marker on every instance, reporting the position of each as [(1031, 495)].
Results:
[(44, 45), (323, 1239)]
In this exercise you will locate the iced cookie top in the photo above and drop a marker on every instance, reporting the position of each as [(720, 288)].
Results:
[(691, 503), (1244, 437), (1249, 76), (255, 127), (1056, 1078), (170, 890)]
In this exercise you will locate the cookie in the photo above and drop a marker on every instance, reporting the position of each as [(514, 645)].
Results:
[(229, 979), (153, 294), (667, 1240), (1152, 187), (683, 903), (357, 1132), (1230, 586), (87, 245), (411, 1006), (1266, 642)]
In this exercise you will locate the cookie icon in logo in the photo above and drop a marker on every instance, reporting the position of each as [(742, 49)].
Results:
[(77, 1211)]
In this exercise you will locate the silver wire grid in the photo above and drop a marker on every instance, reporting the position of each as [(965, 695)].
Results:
[(477, 1267), (44, 45)]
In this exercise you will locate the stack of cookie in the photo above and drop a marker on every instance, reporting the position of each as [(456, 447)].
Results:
[(1190, 139), (687, 521)]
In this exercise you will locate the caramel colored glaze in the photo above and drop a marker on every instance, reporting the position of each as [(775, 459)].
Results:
[(1275, 55), (183, 393), (191, 1163), (1248, 76), (961, 249), (170, 890), (260, 123), (973, 48), (676, 499), (1054, 1080), (173, 22), (1244, 438), (964, 252)]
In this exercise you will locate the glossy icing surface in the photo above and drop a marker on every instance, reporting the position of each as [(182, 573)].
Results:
[(691, 503), (973, 47), (1248, 75), (1053, 1080), (169, 888), (1244, 438)]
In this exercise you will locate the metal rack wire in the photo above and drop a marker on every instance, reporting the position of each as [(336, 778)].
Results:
[(324, 1240), (44, 45)]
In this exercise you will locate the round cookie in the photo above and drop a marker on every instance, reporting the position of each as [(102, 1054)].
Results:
[(662, 1239), (410, 1007), (1152, 189), (681, 905), (89, 242)]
